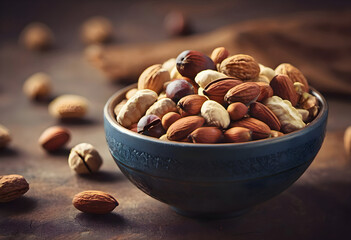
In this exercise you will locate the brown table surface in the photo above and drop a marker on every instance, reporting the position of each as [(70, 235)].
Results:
[(317, 206)]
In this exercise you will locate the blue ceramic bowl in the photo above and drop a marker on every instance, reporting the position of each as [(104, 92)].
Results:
[(213, 180)]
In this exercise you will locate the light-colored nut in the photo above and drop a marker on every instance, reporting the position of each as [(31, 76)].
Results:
[(190, 104), (299, 88), (95, 202), (54, 138), (131, 93), (169, 65), (304, 114), (246, 93), (283, 87), (136, 107), (12, 187), (200, 91), (96, 30), (347, 142), (119, 106), (181, 128), (289, 118), (263, 113), (217, 89), (294, 74), (310, 103), (84, 158), (267, 72), (262, 78), (206, 135), (169, 118), (161, 107), (237, 134), (218, 55), (205, 77), (175, 74), (37, 36), (259, 129), (153, 78), (240, 66), (237, 111), (215, 114), (37, 86), (5, 137), (164, 137), (68, 106), (275, 134)]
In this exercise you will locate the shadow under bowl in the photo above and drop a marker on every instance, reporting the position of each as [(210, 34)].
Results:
[(213, 180)]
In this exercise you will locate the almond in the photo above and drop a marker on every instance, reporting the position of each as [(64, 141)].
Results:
[(294, 74), (169, 118), (263, 113), (206, 135), (12, 187), (153, 78), (246, 93), (181, 128), (219, 54), (240, 66), (190, 104), (96, 202), (217, 89), (54, 138), (259, 129), (237, 134), (283, 87), (237, 110), (266, 91)]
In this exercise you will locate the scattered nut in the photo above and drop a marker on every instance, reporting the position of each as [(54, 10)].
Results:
[(37, 86), (54, 138), (12, 187), (84, 158), (95, 202), (5, 137), (347, 142), (97, 30), (37, 36), (68, 107)]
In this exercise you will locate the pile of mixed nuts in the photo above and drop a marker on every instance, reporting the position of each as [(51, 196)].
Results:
[(218, 99)]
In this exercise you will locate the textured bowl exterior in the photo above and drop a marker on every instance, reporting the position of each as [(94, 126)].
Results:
[(213, 179)]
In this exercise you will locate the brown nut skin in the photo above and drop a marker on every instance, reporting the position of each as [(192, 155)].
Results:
[(190, 105), (263, 113), (217, 89), (283, 87), (246, 93), (95, 202), (38, 86), (37, 36), (347, 142), (237, 111), (176, 24), (169, 118), (5, 137), (259, 129), (96, 30), (237, 135), (54, 138), (293, 73), (12, 187), (190, 62), (206, 135), (240, 66), (266, 91), (219, 54), (181, 128)]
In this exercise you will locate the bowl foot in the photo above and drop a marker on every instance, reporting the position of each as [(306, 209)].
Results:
[(219, 215)]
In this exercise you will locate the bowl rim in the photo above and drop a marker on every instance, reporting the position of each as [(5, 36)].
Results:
[(109, 116)]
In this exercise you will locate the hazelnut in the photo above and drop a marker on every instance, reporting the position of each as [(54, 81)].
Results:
[(97, 30), (37, 36), (37, 86), (84, 158)]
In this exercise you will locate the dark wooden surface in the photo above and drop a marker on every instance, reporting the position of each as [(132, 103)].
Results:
[(317, 206)]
